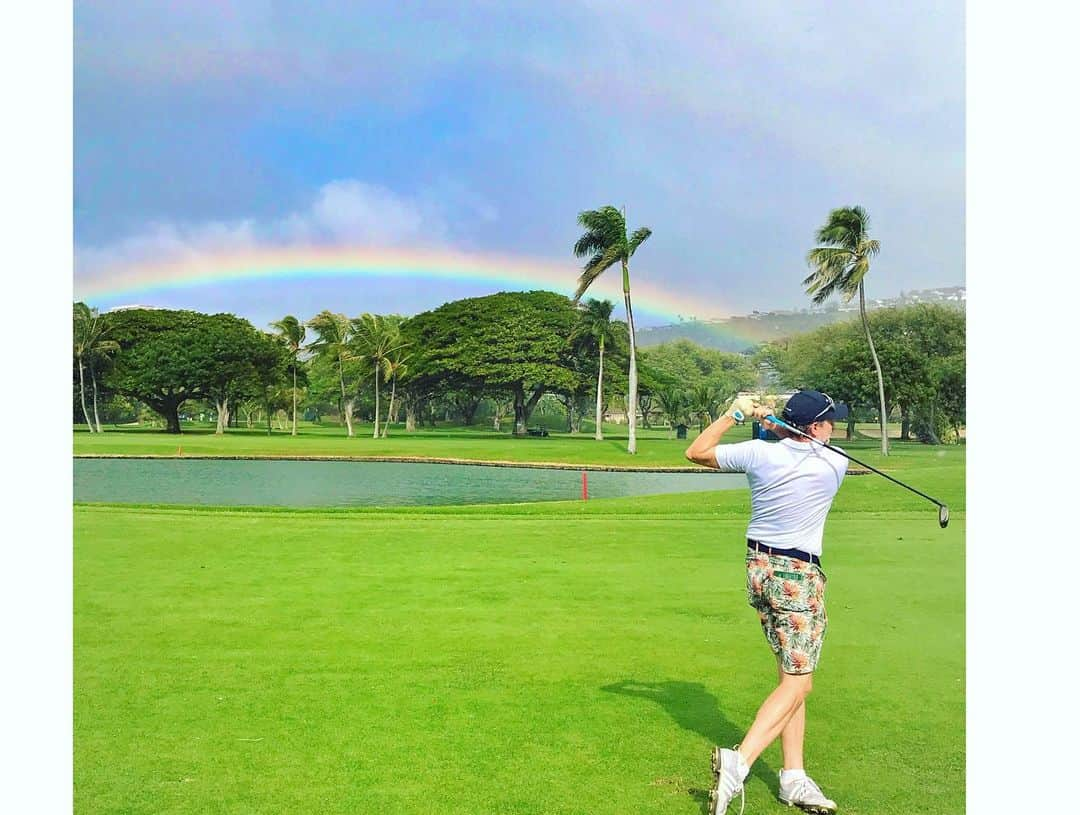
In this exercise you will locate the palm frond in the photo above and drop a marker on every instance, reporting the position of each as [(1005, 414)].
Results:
[(597, 265), (604, 227), (639, 237), (589, 243), (830, 268)]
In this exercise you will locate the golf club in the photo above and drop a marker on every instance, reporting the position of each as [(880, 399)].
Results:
[(943, 511)]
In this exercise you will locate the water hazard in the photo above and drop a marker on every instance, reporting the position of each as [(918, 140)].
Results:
[(361, 483)]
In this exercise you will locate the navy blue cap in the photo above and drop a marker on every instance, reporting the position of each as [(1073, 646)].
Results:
[(807, 407)]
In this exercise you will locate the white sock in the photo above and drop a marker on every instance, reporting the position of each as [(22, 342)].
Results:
[(787, 776), (744, 768)]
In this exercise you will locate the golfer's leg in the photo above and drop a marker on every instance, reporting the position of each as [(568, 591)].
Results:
[(791, 737), (775, 713)]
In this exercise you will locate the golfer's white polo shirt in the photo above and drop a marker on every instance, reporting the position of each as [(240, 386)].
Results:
[(792, 485)]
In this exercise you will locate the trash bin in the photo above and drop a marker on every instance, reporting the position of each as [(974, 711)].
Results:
[(680, 431), (759, 432)]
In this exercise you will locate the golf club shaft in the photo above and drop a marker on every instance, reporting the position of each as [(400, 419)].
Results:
[(784, 424)]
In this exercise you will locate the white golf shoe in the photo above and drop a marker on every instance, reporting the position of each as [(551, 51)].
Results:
[(802, 792), (729, 781)]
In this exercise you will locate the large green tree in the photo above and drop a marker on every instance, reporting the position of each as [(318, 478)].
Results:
[(240, 353), (687, 365), (168, 357), (840, 266), (293, 334), (515, 342), (921, 349), (605, 243)]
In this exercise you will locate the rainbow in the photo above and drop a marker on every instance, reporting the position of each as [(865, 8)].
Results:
[(660, 298)]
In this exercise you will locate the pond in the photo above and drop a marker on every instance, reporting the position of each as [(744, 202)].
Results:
[(361, 483)]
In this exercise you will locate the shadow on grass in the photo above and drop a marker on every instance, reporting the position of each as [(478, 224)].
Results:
[(695, 709)]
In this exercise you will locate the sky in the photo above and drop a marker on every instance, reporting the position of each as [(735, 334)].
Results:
[(267, 158)]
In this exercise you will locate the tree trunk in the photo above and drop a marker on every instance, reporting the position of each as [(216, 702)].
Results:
[(877, 369), (346, 404), (93, 381), (294, 397), (172, 418), (631, 399), (645, 402), (410, 418), (905, 424), (850, 426), (470, 409), (222, 415), (931, 430), (347, 411), (82, 396), (390, 409), (530, 406), (375, 433), (600, 396), (519, 411)]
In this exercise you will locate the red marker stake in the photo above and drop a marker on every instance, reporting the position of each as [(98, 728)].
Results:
[(584, 486)]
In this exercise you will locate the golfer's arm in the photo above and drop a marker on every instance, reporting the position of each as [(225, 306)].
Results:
[(701, 449)]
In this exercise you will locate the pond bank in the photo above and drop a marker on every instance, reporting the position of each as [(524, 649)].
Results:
[(532, 465)]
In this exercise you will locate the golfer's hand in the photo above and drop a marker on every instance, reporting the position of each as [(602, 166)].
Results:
[(744, 405)]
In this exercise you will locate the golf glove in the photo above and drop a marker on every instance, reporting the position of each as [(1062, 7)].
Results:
[(742, 407), (765, 406)]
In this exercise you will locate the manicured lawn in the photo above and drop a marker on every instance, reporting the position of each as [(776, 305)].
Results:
[(655, 447), (579, 657)]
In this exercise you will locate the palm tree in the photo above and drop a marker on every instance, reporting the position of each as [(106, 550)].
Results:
[(292, 331), (839, 266), (595, 325), (374, 338), (673, 403), (395, 365), (605, 243), (335, 333), (90, 345), (703, 402)]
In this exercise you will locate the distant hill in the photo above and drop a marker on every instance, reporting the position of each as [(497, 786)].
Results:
[(746, 332)]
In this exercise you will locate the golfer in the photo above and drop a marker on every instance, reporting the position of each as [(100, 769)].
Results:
[(792, 485)]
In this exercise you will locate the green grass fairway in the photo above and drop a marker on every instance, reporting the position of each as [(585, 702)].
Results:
[(578, 657), (656, 448)]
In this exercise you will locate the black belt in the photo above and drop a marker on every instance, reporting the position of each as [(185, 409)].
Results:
[(798, 554)]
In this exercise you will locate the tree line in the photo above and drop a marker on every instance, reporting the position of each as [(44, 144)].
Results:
[(921, 350), (504, 351)]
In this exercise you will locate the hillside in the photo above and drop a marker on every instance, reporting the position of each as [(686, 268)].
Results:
[(747, 331)]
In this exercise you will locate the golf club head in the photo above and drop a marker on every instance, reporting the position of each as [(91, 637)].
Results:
[(943, 516)]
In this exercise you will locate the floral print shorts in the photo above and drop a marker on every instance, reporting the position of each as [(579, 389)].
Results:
[(789, 597)]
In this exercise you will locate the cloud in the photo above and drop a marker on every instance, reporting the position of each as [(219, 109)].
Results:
[(350, 211), (341, 212)]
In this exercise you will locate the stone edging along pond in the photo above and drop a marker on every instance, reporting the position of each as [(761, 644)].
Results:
[(532, 465)]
